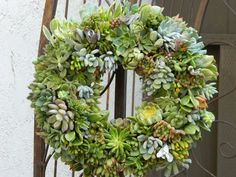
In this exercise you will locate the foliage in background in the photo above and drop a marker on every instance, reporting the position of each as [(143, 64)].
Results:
[(170, 59)]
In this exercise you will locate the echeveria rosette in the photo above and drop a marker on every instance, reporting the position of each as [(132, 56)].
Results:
[(177, 82), (149, 146), (148, 113)]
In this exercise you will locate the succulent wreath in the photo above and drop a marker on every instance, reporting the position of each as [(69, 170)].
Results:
[(177, 82)]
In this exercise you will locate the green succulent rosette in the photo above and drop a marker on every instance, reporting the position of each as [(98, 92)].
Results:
[(178, 80), (148, 113)]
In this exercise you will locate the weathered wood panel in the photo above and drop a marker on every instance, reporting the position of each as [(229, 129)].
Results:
[(232, 17), (227, 112)]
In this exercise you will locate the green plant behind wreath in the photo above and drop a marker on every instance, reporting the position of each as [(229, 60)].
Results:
[(175, 70)]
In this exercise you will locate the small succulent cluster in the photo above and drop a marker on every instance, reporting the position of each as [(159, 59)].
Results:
[(177, 83), (93, 61), (162, 77), (163, 131), (145, 67), (59, 117), (132, 58), (85, 91), (109, 61), (114, 23), (169, 31), (149, 146), (180, 149), (90, 60)]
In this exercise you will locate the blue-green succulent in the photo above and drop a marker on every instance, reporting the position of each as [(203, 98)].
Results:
[(162, 77), (149, 146)]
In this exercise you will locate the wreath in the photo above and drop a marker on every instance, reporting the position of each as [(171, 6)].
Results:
[(177, 80)]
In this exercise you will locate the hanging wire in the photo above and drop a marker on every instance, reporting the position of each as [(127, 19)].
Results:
[(108, 90), (48, 158), (110, 79)]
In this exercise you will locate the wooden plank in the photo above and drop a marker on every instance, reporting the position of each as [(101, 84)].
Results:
[(120, 93), (49, 13), (232, 17), (218, 38), (216, 19), (200, 14), (39, 146), (227, 112)]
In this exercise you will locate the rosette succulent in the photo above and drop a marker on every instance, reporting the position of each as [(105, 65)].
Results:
[(208, 118), (92, 61), (109, 61), (191, 39), (117, 141), (44, 98), (60, 118), (132, 58), (151, 15), (85, 91), (162, 77), (149, 146), (207, 67), (163, 131), (169, 31), (175, 117), (148, 113)]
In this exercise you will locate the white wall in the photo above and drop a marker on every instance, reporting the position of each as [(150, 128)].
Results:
[(20, 22), (19, 33)]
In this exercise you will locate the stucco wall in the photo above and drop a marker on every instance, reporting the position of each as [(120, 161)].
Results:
[(19, 31), (20, 22)]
